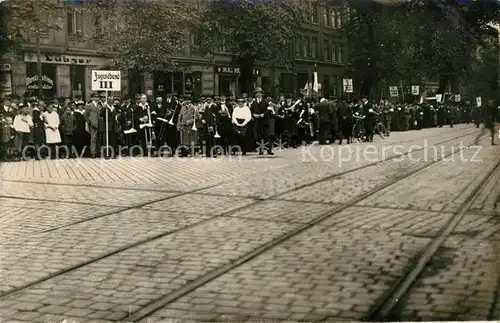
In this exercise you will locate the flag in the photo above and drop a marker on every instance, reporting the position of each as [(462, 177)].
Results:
[(315, 84)]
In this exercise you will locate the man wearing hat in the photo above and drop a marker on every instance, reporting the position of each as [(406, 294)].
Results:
[(207, 132), (91, 116), (187, 116), (173, 108), (128, 123), (261, 122)]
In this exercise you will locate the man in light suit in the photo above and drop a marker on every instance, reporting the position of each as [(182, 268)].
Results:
[(91, 116)]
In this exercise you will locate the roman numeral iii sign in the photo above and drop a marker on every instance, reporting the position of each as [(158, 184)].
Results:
[(106, 80)]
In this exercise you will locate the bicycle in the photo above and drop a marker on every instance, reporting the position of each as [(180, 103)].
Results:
[(358, 130)]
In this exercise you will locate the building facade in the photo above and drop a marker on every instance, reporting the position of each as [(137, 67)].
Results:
[(68, 57)]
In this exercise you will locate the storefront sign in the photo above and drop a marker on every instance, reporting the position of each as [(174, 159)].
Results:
[(32, 83), (5, 84), (66, 59), (234, 70), (4, 67)]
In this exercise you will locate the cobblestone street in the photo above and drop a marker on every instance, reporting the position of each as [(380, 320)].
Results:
[(406, 228)]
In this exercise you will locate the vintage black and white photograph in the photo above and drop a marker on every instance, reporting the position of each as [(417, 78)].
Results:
[(249, 161)]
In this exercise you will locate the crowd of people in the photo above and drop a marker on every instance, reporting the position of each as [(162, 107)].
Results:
[(209, 126)]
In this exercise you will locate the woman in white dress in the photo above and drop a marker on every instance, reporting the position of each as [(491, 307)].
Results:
[(241, 117), (52, 134)]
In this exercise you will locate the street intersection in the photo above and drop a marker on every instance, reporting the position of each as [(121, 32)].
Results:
[(389, 230)]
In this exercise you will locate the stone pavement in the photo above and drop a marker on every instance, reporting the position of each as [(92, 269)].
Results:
[(203, 240)]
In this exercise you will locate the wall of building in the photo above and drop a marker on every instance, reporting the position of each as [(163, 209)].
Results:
[(68, 58)]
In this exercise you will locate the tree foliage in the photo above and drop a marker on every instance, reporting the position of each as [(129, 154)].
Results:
[(145, 35), (259, 30), (22, 19), (407, 42)]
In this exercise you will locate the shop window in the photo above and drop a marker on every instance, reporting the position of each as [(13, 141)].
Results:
[(77, 75), (135, 83), (49, 85), (334, 85), (179, 83)]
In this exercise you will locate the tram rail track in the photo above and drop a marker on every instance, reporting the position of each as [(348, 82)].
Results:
[(191, 286), (198, 190), (175, 191), (385, 308), (150, 308)]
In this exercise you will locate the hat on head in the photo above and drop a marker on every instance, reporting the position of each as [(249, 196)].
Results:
[(241, 100), (258, 90), (94, 95), (80, 103), (102, 95), (21, 105)]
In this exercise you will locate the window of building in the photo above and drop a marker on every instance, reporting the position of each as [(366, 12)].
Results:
[(314, 12), (339, 20), (307, 12), (74, 22), (298, 46), (334, 52), (326, 17), (307, 46), (332, 18), (314, 48), (334, 85), (340, 48), (326, 51)]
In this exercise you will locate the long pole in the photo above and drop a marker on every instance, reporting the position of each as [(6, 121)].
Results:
[(38, 51), (107, 125)]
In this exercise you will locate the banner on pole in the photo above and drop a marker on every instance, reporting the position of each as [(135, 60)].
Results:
[(347, 83), (106, 80), (393, 91)]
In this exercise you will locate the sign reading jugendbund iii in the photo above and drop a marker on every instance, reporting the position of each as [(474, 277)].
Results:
[(106, 80)]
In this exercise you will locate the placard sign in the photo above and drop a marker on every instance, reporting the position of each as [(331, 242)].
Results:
[(458, 98), (348, 88), (393, 91), (439, 98), (106, 80), (479, 101), (415, 90)]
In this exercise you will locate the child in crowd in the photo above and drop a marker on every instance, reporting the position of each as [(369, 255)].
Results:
[(8, 136), (68, 126)]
